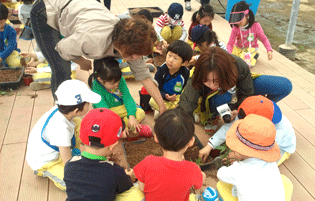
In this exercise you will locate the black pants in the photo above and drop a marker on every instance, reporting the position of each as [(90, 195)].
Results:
[(202, 1), (106, 3)]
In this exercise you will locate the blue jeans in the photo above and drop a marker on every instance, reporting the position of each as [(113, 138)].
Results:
[(46, 38), (275, 87)]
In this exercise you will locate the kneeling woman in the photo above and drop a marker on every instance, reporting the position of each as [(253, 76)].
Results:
[(217, 73)]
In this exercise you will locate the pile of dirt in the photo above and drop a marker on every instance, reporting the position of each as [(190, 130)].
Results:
[(137, 151), (10, 75)]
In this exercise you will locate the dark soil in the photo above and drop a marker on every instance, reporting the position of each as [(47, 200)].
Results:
[(10, 75), (136, 152), (192, 154)]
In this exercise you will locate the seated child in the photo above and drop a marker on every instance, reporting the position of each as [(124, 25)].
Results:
[(204, 39), (170, 26), (56, 132), (203, 16), (9, 53), (25, 11), (259, 105), (92, 176), (112, 87), (255, 176), (41, 71), (173, 75), (170, 177), (244, 34)]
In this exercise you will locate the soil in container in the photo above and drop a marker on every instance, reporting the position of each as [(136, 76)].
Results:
[(10, 75), (192, 155), (136, 152)]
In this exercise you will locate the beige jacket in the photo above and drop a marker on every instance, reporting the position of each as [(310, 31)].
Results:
[(87, 27)]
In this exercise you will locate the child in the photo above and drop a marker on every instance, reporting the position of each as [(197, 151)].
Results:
[(204, 38), (170, 26), (256, 175), (244, 35), (92, 176), (112, 87), (172, 77), (41, 71), (262, 106), (54, 135), (170, 177), (204, 16), (25, 11), (9, 53)]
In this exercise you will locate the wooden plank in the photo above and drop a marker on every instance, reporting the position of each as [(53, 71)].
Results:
[(31, 183), (294, 102), (6, 106), (308, 115), (306, 177), (11, 164), (20, 117), (55, 193), (32, 186), (305, 149), (299, 192), (299, 123)]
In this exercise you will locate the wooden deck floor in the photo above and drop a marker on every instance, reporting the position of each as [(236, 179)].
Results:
[(19, 113)]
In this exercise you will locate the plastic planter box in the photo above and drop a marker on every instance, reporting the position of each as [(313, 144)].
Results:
[(14, 84), (156, 13)]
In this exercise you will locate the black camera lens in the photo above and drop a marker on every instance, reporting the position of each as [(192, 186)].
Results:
[(227, 118)]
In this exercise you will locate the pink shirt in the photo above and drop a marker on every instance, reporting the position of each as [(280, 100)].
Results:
[(168, 180), (239, 38)]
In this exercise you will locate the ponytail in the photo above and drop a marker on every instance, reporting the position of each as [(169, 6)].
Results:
[(106, 69)]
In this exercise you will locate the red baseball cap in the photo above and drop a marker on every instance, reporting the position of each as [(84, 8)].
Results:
[(262, 106), (101, 127)]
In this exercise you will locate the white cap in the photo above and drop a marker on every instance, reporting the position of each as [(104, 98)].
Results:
[(74, 92)]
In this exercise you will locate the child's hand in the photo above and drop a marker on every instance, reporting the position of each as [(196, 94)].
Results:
[(192, 61), (171, 98), (28, 54), (159, 51), (269, 55), (30, 70), (133, 123), (131, 174), (165, 44), (204, 152)]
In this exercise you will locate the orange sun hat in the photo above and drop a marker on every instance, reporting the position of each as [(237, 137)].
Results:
[(254, 136)]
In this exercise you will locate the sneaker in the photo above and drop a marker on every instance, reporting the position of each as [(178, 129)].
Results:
[(187, 5), (210, 129), (35, 86), (156, 114), (145, 131)]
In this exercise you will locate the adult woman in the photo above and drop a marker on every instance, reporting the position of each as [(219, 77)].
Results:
[(217, 72), (90, 30)]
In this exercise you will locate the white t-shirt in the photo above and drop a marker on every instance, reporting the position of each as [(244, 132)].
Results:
[(59, 132), (254, 179)]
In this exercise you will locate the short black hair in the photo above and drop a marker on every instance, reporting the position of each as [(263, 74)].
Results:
[(174, 129), (65, 109), (4, 12), (28, 1), (147, 14), (208, 36), (242, 6), (182, 49)]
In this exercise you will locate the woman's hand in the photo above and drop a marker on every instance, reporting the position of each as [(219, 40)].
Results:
[(131, 174), (204, 152), (234, 114), (171, 98), (133, 123), (269, 55)]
